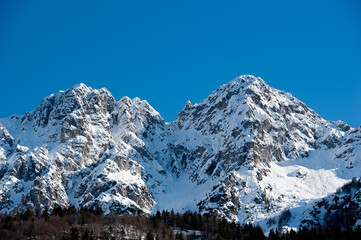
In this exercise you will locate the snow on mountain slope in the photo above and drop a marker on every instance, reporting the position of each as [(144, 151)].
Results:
[(342, 208), (248, 152)]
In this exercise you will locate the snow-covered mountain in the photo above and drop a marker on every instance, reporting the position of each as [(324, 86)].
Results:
[(248, 152)]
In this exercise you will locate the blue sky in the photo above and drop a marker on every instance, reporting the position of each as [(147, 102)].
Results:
[(168, 52)]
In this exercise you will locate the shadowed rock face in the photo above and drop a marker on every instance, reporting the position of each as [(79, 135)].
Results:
[(82, 147)]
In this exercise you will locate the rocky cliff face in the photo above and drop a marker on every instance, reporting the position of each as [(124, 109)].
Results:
[(247, 153)]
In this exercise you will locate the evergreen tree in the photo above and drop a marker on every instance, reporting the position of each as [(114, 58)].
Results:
[(272, 235), (86, 235), (27, 215), (74, 233), (150, 235)]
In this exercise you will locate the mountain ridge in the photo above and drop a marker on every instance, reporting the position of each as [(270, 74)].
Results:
[(232, 155)]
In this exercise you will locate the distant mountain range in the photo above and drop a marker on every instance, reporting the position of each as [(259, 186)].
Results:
[(248, 152)]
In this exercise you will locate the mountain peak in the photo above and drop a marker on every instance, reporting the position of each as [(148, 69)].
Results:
[(138, 108), (84, 89), (77, 100), (80, 86), (239, 86), (230, 97), (249, 79), (246, 81)]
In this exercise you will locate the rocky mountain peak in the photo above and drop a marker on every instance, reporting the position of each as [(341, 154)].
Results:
[(80, 86), (246, 98), (138, 113), (79, 100), (245, 82), (253, 123)]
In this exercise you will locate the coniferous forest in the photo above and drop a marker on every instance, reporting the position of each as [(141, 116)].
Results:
[(91, 224)]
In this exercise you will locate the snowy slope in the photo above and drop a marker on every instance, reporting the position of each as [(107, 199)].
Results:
[(248, 152), (338, 209)]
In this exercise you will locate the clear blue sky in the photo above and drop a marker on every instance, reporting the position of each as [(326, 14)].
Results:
[(168, 52)]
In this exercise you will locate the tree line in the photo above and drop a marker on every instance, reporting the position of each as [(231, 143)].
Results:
[(91, 224)]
